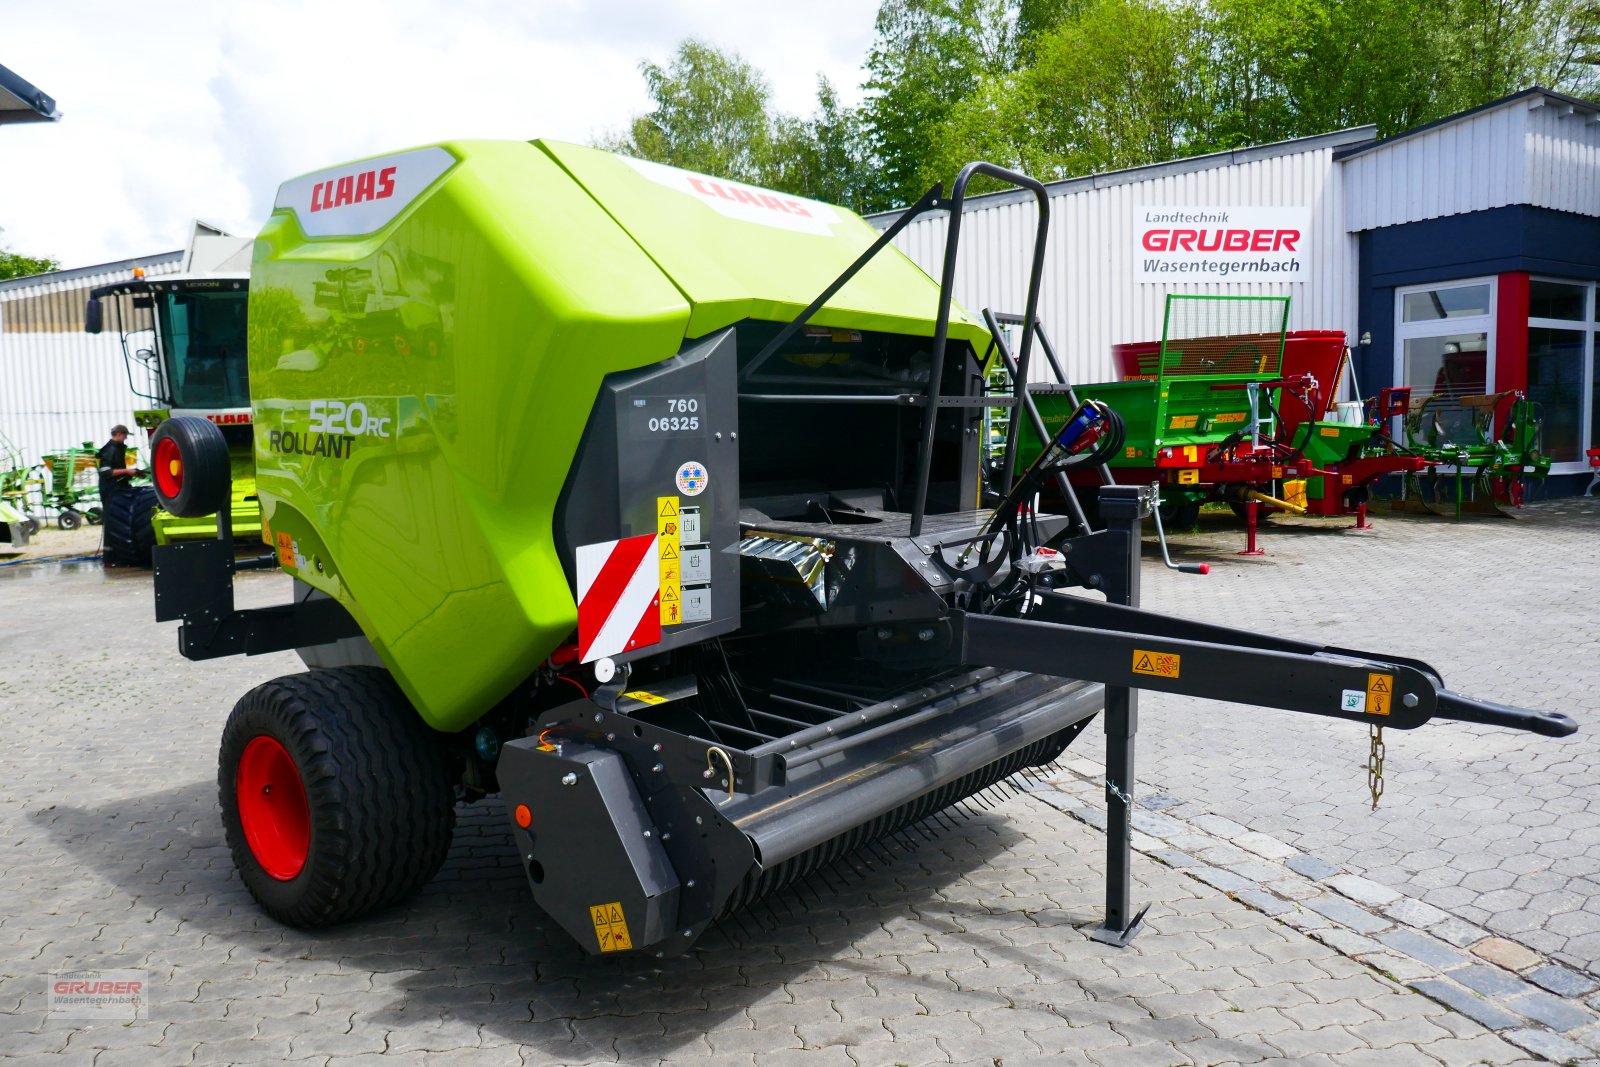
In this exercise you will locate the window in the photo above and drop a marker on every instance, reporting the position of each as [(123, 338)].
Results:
[(1444, 350), (1563, 379)]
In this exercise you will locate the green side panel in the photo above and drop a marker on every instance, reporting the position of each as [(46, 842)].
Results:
[(738, 252), (244, 513), (1134, 401), (419, 394), (1330, 442)]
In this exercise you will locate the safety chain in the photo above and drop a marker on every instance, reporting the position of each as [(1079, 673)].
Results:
[(1375, 763)]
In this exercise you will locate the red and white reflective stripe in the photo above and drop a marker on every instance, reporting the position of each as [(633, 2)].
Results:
[(619, 596)]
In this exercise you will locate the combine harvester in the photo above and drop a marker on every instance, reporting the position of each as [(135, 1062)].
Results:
[(192, 363), (1228, 407), (672, 540)]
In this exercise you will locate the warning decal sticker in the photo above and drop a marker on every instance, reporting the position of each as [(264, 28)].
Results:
[(1159, 664), (610, 928), (1380, 691), (667, 519)]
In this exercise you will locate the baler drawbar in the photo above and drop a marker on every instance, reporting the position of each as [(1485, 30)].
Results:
[(685, 564)]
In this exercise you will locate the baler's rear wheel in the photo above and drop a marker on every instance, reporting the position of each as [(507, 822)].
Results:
[(334, 798)]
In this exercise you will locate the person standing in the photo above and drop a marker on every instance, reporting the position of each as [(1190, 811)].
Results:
[(115, 474)]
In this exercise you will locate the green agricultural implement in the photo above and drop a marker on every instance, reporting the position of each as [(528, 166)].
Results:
[(650, 501), (1482, 450), (20, 488), (1228, 406), (189, 361), (72, 485)]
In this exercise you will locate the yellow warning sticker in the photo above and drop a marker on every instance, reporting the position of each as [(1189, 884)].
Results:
[(1380, 691), (1229, 416), (610, 928), (667, 530), (1346, 479), (1329, 431), (1277, 472), (1189, 477), (1183, 422), (285, 550), (645, 698), (1159, 664)]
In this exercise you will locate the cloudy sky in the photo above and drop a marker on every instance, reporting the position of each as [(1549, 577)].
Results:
[(178, 109)]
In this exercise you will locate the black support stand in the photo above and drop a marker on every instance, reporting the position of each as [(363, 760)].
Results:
[(1123, 507)]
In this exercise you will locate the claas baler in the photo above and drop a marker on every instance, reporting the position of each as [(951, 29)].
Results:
[(650, 501)]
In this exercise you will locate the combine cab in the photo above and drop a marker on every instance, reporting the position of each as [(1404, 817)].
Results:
[(650, 501), (191, 363)]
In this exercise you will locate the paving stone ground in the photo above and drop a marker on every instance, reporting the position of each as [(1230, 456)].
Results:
[(972, 948), (1499, 828)]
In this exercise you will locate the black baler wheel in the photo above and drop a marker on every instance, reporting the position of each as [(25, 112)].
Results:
[(377, 811), (69, 519), (130, 535)]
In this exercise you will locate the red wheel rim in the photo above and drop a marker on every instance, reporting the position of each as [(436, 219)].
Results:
[(169, 468), (273, 808)]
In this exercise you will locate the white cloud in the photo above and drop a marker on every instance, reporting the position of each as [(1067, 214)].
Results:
[(186, 109)]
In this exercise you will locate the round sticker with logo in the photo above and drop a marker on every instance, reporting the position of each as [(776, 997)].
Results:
[(693, 479)]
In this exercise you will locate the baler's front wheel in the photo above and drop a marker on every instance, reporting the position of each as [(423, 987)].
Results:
[(334, 798)]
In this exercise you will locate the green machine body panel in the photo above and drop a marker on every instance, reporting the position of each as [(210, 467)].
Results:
[(429, 332)]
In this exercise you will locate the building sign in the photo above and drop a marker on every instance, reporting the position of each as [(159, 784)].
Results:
[(1221, 244)]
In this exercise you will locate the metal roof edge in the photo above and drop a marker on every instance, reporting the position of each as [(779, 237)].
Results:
[(73, 273), (1336, 139), (1504, 101)]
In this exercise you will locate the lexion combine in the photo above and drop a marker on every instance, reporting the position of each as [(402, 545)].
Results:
[(651, 502)]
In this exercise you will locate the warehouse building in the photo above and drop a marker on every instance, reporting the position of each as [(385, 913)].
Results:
[(61, 386), (1461, 256)]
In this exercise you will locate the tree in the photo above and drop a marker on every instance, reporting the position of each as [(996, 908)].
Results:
[(710, 115), (16, 265), (1118, 83), (929, 55)]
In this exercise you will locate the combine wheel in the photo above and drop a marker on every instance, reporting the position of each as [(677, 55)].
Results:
[(130, 526), (69, 519), (334, 798)]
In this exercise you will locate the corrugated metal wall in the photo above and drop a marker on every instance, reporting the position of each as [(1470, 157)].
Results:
[(1563, 165), (1470, 164), (1532, 149), (1090, 298), (60, 386)]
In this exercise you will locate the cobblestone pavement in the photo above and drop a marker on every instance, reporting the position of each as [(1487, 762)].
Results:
[(973, 947), (1501, 829)]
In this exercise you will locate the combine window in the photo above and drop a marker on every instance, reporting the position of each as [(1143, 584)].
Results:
[(205, 338)]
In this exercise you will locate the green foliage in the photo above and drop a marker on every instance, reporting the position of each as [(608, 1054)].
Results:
[(929, 56), (1064, 87), (17, 265), (713, 114)]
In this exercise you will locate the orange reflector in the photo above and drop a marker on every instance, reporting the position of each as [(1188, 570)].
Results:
[(524, 817)]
